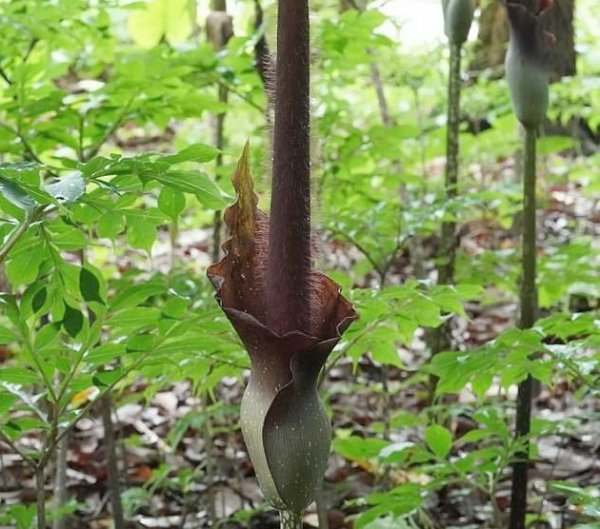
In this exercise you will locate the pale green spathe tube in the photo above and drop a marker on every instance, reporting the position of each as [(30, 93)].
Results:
[(527, 69), (458, 17), (528, 84)]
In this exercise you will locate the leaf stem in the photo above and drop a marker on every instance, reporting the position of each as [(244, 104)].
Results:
[(40, 497), (112, 465)]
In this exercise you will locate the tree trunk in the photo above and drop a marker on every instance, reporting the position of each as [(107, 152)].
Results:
[(493, 37)]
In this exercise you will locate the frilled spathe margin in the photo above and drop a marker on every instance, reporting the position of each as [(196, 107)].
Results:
[(527, 68), (283, 420)]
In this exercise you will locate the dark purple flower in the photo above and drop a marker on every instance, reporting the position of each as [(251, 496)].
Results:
[(284, 423)]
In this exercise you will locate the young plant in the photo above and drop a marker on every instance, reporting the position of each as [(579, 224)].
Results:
[(458, 17), (288, 316), (527, 73)]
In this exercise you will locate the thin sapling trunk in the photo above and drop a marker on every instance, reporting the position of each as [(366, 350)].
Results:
[(40, 496), (112, 467), (60, 482)]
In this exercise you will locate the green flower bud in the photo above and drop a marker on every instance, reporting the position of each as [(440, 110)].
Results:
[(458, 17), (527, 69)]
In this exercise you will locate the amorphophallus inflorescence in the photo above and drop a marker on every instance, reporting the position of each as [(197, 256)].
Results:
[(458, 17), (288, 316), (527, 69), (527, 73)]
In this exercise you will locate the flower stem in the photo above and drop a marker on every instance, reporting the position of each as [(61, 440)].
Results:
[(290, 520), (528, 301), (441, 339), (448, 243), (289, 260)]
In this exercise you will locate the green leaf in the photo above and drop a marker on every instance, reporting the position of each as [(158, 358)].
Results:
[(135, 294), (67, 189), (66, 237), (359, 449), (111, 224), (16, 196), (439, 440), (6, 402), (105, 353), (196, 183), (141, 231), (39, 299), (171, 202), (24, 267), (107, 378), (136, 317), (194, 153), (72, 320), (18, 375), (89, 286), (7, 335), (169, 18)]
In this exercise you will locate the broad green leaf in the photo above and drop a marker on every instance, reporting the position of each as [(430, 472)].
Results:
[(68, 188), (171, 202), (66, 237), (24, 267), (110, 224), (39, 299), (18, 375), (105, 353), (6, 402), (89, 286), (7, 335), (439, 440), (47, 338), (197, 183), (194, 153), (136, 294), (16, 196), (107, 378), (72, 320), (358, 448), (142, 231), (136, 317), (171, 19)]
